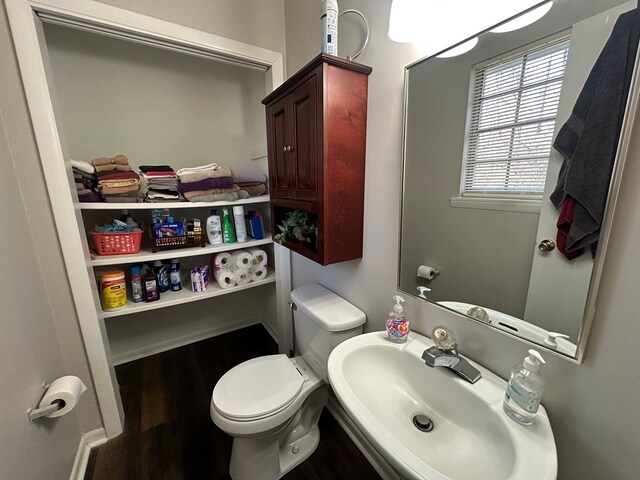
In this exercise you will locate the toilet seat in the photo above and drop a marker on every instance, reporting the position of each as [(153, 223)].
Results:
[(257, 388)]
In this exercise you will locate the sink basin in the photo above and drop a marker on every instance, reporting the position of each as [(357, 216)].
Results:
[(383, 385)]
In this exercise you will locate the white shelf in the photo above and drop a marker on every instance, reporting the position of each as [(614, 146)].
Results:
[(170, 205), (146, 255), (169, 299)]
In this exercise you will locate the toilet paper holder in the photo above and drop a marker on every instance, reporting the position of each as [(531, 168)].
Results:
[(35, 413)]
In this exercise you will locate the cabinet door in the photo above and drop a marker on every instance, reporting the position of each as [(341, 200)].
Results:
[(280, 165), (304, 153)]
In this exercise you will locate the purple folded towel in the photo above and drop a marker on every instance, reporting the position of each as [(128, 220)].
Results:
[(206, 184), (90, 197)]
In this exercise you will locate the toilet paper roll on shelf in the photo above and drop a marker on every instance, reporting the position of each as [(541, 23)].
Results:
[(241, 259), (225, 278), (259, 257), (425, 271), (243, 275), (222, 261), (258, 273), (59, 399)]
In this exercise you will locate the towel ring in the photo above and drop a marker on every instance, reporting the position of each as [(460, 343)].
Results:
[(366, 27)]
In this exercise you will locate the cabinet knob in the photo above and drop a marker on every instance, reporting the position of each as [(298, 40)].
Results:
[(284, 149), (287, 148), (290, 148)]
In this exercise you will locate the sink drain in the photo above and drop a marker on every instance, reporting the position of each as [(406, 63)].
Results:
[(423, 423)]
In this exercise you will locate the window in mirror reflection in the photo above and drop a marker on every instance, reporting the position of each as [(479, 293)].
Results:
[(513, 107)]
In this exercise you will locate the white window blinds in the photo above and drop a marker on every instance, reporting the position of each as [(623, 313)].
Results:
[(513, 109)]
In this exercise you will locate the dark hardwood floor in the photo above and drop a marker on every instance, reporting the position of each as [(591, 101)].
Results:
[(168, 433)]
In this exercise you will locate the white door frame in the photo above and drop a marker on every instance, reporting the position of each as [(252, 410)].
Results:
[(25, 18)]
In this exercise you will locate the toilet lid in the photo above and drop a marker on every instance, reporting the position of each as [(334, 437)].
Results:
[(257, 387)]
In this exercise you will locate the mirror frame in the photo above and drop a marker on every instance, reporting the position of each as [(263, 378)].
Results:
[(607, 222)]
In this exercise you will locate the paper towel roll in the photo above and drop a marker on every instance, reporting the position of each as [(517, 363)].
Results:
[(428, 272), (259, 257), (66, 390), (225, 278), (258, 273), (241, 259), (222, 261), (243, 275)]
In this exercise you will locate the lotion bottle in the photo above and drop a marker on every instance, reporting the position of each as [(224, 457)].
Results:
[(329, 18), (398, 326), (524, 390)]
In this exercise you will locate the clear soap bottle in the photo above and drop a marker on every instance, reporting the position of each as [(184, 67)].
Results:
[(524, 390), (398, 325)]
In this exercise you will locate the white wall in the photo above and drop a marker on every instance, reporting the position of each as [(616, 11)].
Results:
[(592, 406), (40, 334)]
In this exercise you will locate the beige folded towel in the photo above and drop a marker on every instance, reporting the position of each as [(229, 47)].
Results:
[(119, 183), (255, 191), (112, 167), (118, 160), (188, 175), (107, 190), (212, 191)]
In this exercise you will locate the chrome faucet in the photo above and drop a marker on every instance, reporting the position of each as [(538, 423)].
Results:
[(444, 354)]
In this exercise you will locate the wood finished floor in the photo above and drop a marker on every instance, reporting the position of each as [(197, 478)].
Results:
[(169, 435)]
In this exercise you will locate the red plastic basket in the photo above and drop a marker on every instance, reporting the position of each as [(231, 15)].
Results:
[(116, 243)]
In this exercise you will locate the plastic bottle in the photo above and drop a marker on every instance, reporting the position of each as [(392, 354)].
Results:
[(254, 225), (150, 287), (329, 18), (238, 220), (163, 275), (136, 284), (228, 234), (176, 283), (524, 390), (398, 325), (214, 228)]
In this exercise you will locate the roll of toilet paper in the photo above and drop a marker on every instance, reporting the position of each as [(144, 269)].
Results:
[(258, 273), (241, 259), (222, 261), (225, 278), (425, 271), (243, 275), (258, 257), (65, 390)]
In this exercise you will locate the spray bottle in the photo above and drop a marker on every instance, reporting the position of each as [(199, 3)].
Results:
[(329, 17)]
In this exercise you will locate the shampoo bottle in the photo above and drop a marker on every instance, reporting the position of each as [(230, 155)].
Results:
[(214, 228), (397, 323), (228, 233), (150, 288), (524, 391)]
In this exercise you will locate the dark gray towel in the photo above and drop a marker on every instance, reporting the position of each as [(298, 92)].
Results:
[(588, 140)]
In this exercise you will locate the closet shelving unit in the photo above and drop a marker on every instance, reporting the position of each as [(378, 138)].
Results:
[(146, 256)]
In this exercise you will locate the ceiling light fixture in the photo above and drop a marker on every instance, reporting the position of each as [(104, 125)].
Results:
[(460, 49), (524, 19)]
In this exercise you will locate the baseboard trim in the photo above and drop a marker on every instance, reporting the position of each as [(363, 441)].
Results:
[(379, 464), (87, 442), (159, 347)]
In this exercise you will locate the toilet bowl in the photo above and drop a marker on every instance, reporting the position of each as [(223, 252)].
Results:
[(270, 405)]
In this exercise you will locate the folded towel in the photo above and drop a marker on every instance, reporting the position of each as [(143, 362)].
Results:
[(165, 173), (84, 191), (155, 168), (90, 197), (195, 174), (113, 167), (206, 184), (83, 166), (80, 186), (219, 197), (117, 160), (107, 190), (80, 174), (241, 177), (119, 183), (122, 199), (102, 176), (256, 191), (127, 194), (249, 184), (211, 191)]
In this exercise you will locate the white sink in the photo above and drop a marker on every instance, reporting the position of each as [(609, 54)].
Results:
[(382, 386)]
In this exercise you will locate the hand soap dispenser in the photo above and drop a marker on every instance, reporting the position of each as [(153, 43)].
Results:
[(397, 324), (524, 391)]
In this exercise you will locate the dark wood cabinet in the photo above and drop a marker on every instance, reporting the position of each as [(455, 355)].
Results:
[(316, 140)]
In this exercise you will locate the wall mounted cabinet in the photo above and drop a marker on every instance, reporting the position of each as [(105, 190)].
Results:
[(316, 139)]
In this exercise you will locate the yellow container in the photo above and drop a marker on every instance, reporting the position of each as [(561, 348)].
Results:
[(113, 290)]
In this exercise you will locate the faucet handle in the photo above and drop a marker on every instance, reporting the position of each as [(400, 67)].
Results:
[(444, 339)]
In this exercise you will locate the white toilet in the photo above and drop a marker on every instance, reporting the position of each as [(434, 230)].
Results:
[(270, 405)]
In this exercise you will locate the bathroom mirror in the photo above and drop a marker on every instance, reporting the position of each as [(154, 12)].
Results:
[(479, 171)]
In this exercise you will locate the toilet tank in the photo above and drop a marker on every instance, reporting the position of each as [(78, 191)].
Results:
[(322, 320)]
